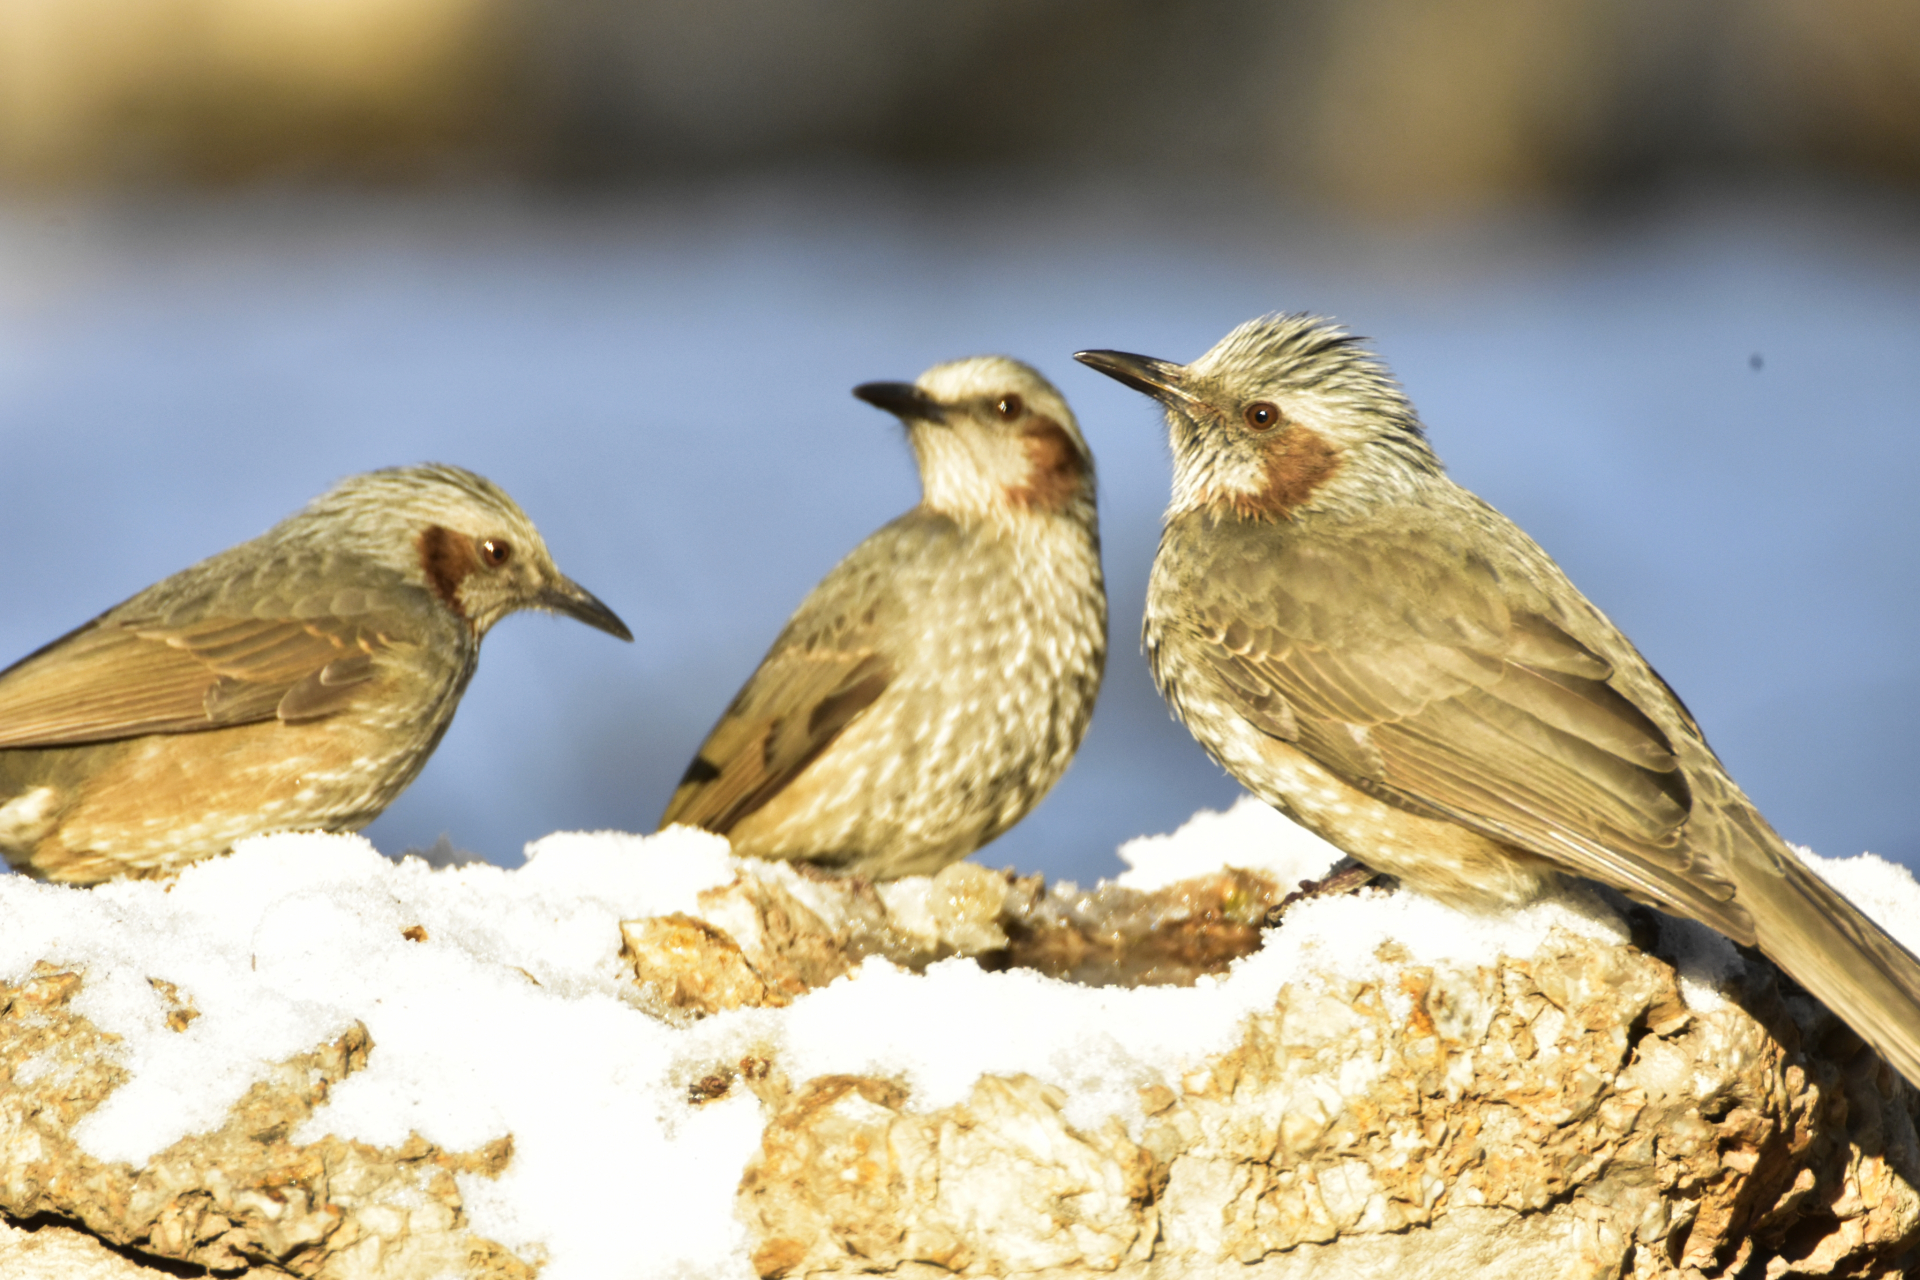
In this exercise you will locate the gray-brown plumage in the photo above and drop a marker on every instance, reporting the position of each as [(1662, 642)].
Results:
[(298, 681), (1388, 660), (934, 686)]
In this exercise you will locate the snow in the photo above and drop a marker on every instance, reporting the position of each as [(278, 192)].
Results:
[(1102, 1045), (514, 1014), (511, 1017), (1250, 835)]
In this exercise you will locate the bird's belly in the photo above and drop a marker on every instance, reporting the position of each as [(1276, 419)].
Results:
[(921, 780), (1439, 858), (947, 759), (149, 806)]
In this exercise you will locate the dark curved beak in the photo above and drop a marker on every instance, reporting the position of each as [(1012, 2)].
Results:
[(902, 400), (1164, 381), (569, 597)]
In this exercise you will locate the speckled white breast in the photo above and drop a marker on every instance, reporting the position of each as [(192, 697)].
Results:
[(995, 681)]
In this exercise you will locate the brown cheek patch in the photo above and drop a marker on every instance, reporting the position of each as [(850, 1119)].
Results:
[(447, 558), (1055, 468), (1298, 463)]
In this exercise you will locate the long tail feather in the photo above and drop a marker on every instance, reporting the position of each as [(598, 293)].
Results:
[(1843, 958)]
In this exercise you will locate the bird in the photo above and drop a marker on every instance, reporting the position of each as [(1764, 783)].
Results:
[(1388, 660), (298, 681), (933, 687)]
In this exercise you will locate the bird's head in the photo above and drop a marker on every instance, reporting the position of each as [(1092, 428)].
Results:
[(455, 533), (993, 438), (1288, 413)]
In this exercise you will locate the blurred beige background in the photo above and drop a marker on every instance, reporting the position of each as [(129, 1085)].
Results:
[(1390, 106)]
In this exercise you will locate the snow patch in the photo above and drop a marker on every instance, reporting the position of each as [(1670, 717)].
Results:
[(1252, 835)]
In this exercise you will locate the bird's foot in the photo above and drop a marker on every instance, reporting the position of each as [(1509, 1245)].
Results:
[(1345, 876)]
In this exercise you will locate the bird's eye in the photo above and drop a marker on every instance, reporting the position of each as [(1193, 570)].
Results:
[(496, 550), (1262, 414), (1009, 407)]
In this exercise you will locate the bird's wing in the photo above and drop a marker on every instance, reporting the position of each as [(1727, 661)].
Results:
[(1413, 675), (829, 665), (122, 677), (802, 697)]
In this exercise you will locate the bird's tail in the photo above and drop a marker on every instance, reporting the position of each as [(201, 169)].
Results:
[(1845, 960)]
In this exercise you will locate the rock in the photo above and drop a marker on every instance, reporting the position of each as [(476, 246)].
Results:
[(688, 964), (1579, 1110), (243, 1195), (794, 930), (1562, 1114), (849, 1179), (1114, 936), (47, 1251)]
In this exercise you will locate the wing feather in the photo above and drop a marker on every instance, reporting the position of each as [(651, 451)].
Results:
[(1499, 719), (118, 678), (799, 700), (829, 666)]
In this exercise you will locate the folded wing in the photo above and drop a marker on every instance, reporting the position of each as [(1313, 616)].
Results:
[(1437, 696), (120, 678)]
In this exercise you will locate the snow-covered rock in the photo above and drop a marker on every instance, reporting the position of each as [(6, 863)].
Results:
[(636, 1057)]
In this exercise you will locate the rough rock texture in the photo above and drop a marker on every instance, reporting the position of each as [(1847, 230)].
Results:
[(51, 1252), (240, 1196), (1564, 1113), (768, 937)]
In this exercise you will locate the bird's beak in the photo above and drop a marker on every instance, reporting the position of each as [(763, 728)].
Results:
[(903, 400), (569, 597), (1164, 381)]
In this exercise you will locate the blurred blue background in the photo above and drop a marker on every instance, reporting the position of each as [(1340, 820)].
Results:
[(1655, 290)]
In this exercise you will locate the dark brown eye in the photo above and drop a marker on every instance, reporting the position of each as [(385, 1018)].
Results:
[(497, 551), (1262, 414), (1009, 407)]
